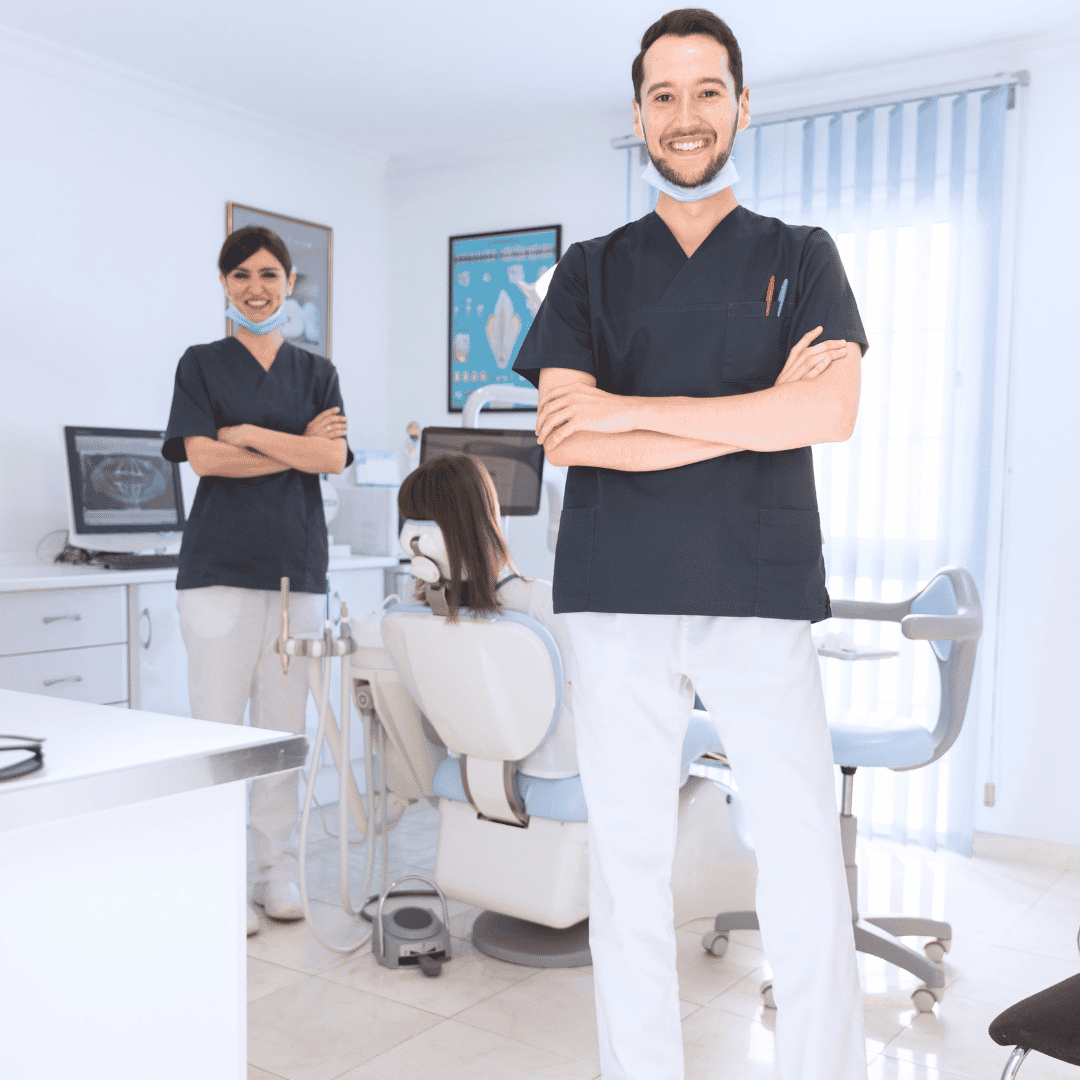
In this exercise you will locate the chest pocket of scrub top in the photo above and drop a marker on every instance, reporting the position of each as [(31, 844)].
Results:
[(753, 347)]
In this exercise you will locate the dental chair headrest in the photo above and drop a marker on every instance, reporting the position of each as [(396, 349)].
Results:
[(423, 540)]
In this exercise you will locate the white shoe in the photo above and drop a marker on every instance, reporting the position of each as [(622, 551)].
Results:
[(253, 921), (279, 899)]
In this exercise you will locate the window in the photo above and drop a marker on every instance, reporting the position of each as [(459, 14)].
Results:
[(914, 192)]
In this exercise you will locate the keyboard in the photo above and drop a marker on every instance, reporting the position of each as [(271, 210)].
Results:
[(126, 560)]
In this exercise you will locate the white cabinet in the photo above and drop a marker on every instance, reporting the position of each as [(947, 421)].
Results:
[(112, 637), (107, 644), (362, 590), (32, 622), (156, 656), (66, 643), (96, 674)]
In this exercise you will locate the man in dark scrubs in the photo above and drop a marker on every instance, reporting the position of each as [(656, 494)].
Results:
[(686, 364)]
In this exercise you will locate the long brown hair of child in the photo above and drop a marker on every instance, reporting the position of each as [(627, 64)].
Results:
[(455, 491)]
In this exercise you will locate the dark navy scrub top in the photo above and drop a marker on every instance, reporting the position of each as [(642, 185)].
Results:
[(250, 532), (737, 535)]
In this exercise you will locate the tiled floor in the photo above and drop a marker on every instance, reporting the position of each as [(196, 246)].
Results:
[(317, 1015)]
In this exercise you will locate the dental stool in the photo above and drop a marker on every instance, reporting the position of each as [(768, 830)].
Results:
[(516, 845), (947, 613)]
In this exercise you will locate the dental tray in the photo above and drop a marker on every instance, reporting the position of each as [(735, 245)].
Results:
[(841, 647)]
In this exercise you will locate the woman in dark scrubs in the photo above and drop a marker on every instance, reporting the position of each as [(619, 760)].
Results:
[(259, 420)]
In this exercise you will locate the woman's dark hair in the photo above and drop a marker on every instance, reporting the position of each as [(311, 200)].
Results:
[(683, 23), (452, 491), (239, 246)]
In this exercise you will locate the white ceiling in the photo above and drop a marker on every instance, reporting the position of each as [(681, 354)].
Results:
[(402, 79)]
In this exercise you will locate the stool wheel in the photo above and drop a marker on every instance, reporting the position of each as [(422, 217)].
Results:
[(715, 942), (935, 950), (767, 998), (924, 998)]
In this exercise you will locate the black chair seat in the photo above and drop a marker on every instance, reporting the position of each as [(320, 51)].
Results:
[(1047, 1022)]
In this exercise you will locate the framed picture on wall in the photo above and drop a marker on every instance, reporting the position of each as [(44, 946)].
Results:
[(311, 249), (492, 305)]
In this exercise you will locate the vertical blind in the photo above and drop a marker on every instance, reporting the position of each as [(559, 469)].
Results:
[(912, 193)]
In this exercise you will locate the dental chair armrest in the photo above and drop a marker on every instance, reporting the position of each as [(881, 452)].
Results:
[(959, 627)]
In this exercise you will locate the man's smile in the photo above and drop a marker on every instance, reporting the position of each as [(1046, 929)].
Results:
[(695, 144)]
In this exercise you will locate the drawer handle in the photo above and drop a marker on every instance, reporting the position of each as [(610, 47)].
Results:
[(66, 678), (145, 614), (46, 619)]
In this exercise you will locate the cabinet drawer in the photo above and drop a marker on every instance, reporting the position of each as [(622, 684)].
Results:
[(98, 674), (62, 619)]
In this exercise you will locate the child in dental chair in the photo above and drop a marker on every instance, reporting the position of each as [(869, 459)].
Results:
[(456, 492)]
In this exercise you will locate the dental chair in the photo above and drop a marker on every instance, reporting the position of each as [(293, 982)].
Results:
[(948, 615), (516, 845)]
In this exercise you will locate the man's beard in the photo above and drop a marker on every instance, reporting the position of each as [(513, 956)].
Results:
[(710, 173)]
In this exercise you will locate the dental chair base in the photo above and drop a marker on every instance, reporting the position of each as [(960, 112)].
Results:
[(518, 941), (539, 873), (535, 879)]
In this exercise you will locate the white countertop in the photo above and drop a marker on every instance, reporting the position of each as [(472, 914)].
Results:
[(100, 756), (27, 577)]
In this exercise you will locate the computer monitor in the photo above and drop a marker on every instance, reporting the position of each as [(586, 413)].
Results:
[(513, 457), (122, 494)]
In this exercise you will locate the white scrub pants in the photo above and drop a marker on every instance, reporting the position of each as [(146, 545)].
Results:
[(634, 678), (229, 634)]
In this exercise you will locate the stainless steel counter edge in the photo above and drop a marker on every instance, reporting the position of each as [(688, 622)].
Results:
[(44, 802)]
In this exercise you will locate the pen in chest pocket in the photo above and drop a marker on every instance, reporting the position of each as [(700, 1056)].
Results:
[(780, 298), (769, 295)]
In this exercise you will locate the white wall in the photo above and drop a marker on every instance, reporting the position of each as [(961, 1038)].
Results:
[(114, 196), (1030, 692)]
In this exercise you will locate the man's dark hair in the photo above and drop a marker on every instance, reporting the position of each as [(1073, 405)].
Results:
[(239, 246), (683, 23)]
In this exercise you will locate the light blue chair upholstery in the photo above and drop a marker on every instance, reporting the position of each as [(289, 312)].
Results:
[(564, 800), (948, 615)]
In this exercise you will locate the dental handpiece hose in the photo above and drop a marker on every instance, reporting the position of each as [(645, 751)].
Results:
[(348, 793), (349, 799)]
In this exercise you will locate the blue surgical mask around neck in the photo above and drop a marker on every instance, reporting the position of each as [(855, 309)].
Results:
[(267, 326), (723, 179)]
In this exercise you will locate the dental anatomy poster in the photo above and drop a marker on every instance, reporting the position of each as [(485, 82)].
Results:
[(492, 304)]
